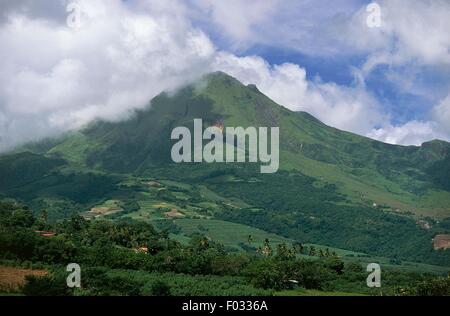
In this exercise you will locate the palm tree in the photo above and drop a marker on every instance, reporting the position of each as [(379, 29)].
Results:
[(267, 250), (299, 248), (44, 216)]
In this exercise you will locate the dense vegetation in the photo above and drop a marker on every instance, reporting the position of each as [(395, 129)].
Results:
[(21, 169), (334, 189), (290, 205), (111, 264), (293, 205)]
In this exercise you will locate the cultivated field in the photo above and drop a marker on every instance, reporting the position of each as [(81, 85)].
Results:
[(11, 279)]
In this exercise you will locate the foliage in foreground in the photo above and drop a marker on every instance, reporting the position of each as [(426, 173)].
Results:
[(112, 263)]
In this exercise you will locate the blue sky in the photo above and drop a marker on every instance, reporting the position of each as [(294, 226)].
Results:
[(410, 81), (390, 83), (430, 84)]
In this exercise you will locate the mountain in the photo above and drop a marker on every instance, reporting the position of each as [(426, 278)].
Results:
[(405, 178), (333, 187)]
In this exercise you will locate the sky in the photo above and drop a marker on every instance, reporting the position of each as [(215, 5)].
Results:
[(65, 63)]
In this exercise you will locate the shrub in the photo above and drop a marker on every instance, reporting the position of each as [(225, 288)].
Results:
[(45, 286), (159, 288)]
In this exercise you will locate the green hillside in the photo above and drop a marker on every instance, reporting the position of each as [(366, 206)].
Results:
[(334, 188), (405, 179)]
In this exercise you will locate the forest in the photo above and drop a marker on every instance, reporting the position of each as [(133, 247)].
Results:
[(126, 257)]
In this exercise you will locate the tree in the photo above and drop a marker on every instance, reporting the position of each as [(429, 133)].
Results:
[(299, 248), (160, 288), (45, 286), (22, 218), (41, 222), (312, 251), (335, 264), (266, 249), (306, 250), (284, 253), (199, 242), (434, 287), (266, 273)]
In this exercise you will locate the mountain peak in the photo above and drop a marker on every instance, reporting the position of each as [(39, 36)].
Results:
[(220, 77)]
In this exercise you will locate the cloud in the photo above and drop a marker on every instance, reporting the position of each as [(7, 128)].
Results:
[(413, 34), (43, 9), (416, 31), (416, 132), (237, 21), (347, 107), (351, 108), (410, 133), (125, 54), (410, 30), (292, 24), (441, 113), (54, 78)]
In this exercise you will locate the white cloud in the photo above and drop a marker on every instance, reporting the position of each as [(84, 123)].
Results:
[(413, 33), (441, 113), (292, 24), (410, 133), (417, 132), (236, 20), (54, 78), (349, 108), (410, 31), (42, 9)]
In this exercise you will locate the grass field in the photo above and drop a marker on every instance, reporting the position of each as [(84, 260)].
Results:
[(433, 203), (227, 233), (233, 235)]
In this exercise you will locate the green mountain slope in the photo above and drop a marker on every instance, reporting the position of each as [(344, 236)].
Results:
[(409, 179), (334, 188)]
